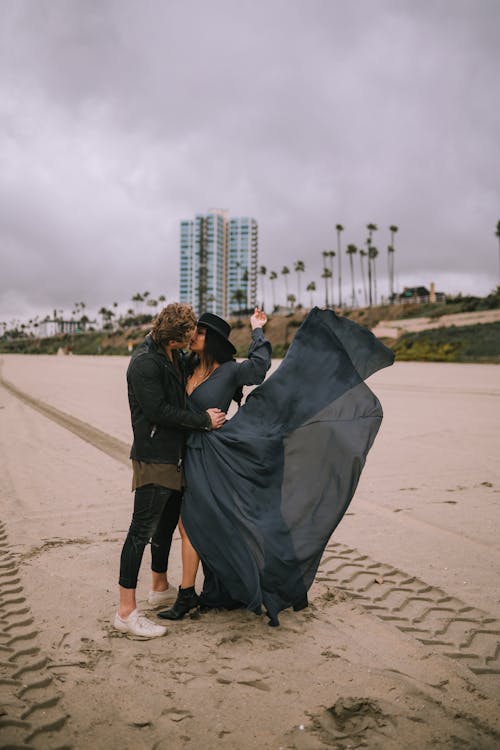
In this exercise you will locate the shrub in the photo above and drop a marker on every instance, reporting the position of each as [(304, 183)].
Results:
[(475, 343)]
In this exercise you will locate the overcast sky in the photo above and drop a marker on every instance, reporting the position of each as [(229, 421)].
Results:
[(120, 118)]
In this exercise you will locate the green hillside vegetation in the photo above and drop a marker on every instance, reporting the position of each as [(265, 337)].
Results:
[(370, 316), (474, 343), (90, 342)]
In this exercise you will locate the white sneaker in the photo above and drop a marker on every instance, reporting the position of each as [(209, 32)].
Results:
[(138, 625), (160, 598)]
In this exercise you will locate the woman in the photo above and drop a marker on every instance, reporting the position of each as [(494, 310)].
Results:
[(265, 492), (215, 378)]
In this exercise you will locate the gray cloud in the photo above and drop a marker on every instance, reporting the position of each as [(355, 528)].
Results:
[(118, 119)]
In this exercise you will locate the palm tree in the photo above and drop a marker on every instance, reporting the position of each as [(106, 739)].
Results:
[(393, 229), (369, 263), (211, 298), (327, 274), (238, 296), (244, 278), (291, 299), (372, 256), (330, 254), (136, 299), (106, 315), (82, 322), (371, 228), (351, 252), (285, 271), (339, 229), (299, 268), (162, 298), (390, 261), (201, 291), (272, 278), (237, 265), (390, 269), (262, 273), (497, 234), (325, 261), (363, 254), (311, 287)]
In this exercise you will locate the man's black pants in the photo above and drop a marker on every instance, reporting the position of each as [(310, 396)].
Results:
[(156, 513)]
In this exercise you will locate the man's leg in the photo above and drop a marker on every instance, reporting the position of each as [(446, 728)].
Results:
[(162, 541), (149, 504)]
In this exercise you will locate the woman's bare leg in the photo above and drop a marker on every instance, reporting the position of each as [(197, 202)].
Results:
[(190, 559)]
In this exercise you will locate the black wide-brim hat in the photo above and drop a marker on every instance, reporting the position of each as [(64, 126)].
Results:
[(219, 326)]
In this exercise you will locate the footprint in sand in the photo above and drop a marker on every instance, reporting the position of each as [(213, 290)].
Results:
[(177, 714), (235, 638), (257, 684), (330, 655)]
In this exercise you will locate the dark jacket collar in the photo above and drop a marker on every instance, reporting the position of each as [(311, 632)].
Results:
[(158, 349)]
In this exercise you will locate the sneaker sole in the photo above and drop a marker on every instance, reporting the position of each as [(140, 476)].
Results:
[(131, 637), (136, 636)]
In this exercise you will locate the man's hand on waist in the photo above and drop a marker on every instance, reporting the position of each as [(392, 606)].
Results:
[(217, 418)]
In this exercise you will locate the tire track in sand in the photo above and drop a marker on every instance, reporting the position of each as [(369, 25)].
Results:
[(30, 715), (443, 623), (110, 445)]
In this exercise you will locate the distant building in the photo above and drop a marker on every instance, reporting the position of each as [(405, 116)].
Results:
[(218, 262), (203, 262), (242, 263), (48, 328), (421, 295)]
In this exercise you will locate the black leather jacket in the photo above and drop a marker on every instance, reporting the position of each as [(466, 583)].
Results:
[(157, 399)]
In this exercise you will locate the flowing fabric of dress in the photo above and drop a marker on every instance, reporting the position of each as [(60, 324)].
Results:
[(265, 492)]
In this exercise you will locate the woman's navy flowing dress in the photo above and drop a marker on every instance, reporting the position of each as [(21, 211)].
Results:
[(265, 492)]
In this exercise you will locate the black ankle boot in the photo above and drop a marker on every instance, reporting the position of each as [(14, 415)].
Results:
[(187, 599)]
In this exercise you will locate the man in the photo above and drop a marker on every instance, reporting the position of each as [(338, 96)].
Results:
[(156, 391)]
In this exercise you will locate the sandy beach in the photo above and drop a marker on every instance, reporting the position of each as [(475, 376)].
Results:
[(400, 647)]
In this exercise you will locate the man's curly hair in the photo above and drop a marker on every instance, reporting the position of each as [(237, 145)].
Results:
[(175, 322)]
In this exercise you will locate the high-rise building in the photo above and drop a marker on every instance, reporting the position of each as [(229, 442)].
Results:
[(203, 262), (242, 263), (218, 262)]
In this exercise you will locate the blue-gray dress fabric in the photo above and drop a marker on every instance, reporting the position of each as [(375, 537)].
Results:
[(265, 492)]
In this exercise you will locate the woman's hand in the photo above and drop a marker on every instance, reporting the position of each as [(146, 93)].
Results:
[(258, 319)]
